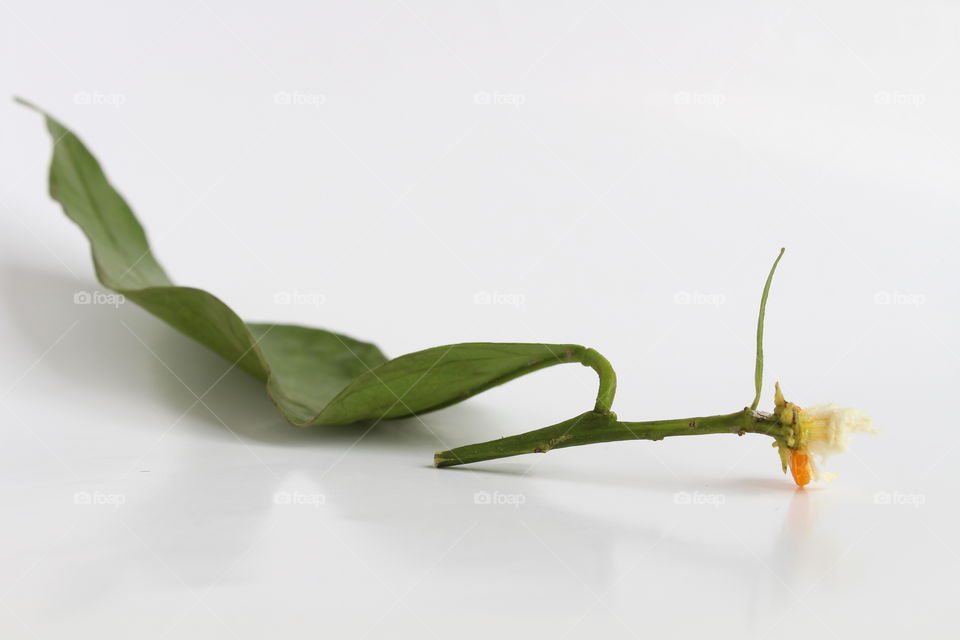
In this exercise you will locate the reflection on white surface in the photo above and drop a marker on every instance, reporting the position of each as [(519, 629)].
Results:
[(322, 531)]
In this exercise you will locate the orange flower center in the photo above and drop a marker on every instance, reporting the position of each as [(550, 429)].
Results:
[(800, 467)]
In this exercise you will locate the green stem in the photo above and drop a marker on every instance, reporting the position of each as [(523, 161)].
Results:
[(758, 367), (608, 379), (593, 427)]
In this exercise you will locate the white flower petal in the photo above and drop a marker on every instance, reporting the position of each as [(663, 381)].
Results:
[(827, 428)]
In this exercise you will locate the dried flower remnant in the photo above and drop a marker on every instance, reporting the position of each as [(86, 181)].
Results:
[(814, 434)]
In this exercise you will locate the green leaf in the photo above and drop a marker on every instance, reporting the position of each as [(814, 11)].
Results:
[(313, 376), (435, 378), (758, 366)]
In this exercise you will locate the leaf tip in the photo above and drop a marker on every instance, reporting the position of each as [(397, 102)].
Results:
[(26, 103), (440, 460)]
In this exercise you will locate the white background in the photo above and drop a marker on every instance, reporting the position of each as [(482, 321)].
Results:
[(589, 165)]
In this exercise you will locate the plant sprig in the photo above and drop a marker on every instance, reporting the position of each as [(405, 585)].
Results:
[(318, 377)]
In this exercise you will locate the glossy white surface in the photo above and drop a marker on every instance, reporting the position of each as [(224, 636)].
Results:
[(610, 174)]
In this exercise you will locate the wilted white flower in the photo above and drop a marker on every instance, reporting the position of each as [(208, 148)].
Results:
[(814, 434)]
